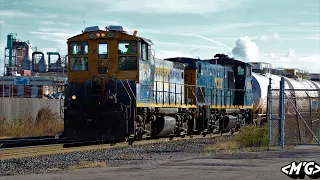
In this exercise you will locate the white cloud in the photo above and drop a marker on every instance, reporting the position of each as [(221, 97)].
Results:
[(179, 33), (314, 36), (246, 50), (51, 30), (291, 54), (52, 16), (52, 34), (75, 18), (46, 22), (310, 63), (14, 13), (162, 54), (184, 45), (169, 6), (3, 23), (275, 36), (55, 35), (145, 6), (226, 27), (64, 24), (208, 39), (315, 24), (52, 39), (107, 23)]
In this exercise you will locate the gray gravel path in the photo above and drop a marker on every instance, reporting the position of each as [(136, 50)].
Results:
[(246, 166)]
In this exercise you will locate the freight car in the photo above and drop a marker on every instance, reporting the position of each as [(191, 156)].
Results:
[(301, 91), (117, 90)]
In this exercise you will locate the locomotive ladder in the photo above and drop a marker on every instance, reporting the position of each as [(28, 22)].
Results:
[(98, 90)]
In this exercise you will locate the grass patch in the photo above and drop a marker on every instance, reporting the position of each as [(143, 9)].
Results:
[(45, 124), (250, 138), (95, 164), (81, 165)]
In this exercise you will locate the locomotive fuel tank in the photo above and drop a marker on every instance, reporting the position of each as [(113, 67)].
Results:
[(228, 123), (163, 126)]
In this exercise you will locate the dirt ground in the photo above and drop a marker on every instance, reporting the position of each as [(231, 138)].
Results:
[(255, 165)]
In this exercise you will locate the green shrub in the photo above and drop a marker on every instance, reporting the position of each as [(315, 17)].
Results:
[(253, 136)]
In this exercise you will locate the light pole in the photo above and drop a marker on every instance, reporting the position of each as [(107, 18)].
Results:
[(62, 65)]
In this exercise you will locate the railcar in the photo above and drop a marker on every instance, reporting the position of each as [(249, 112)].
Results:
[(301, 91), (117, 90)]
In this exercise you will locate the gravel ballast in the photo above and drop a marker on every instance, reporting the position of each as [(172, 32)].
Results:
[(136, 154)]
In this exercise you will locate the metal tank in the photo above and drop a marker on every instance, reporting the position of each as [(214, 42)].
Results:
[(260, 91), (26, 61), (301, 99), (42, 65)]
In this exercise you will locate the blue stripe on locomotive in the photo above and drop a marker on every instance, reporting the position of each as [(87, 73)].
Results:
[(161, 88), (217, 92)]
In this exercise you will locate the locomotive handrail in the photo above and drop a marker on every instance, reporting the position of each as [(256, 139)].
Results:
[(215, 97), (64, 92), (129, 97), (204, 98), (131, 90)]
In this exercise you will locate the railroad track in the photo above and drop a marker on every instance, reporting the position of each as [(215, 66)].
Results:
[(29, 151), (32, 141)]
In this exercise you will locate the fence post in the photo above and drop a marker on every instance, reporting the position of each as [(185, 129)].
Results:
[(319, 115), (269, 112), (281, 111)]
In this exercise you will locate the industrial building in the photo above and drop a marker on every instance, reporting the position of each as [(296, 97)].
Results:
[(29, 73)]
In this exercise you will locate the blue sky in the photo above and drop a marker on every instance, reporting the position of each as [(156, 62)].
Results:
[(285, 33)]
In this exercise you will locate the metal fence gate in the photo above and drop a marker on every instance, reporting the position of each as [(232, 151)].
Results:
[(293, 116)]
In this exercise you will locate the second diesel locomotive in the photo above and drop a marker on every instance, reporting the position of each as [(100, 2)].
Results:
[(117, 90)]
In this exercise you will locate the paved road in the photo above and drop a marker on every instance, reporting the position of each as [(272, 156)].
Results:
[(248, 166)]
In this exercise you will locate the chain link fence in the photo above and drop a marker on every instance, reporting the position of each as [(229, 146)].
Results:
[(299, 110), (273, 118)]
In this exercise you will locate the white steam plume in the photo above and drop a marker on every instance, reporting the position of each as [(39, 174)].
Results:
[(246, 50)]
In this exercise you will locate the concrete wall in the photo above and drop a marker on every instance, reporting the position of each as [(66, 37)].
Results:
[(13, 108)]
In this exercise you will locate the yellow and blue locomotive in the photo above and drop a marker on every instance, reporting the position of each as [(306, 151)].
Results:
[(117, 90)]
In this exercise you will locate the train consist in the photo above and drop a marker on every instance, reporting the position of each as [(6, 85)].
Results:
[(117, 90)]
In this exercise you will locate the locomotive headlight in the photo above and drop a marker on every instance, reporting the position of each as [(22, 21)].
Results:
[(98, 35), (103, 34), (74, 97)]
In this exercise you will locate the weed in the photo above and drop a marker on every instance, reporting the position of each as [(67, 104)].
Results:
[(250, 138), (46, 123)]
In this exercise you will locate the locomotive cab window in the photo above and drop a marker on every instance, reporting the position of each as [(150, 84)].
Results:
[(126, 63), (240, 71), (144, 51), (127, 47), (103, 50), (78, 56), (78, 48), (78, 64), (249, 69)]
